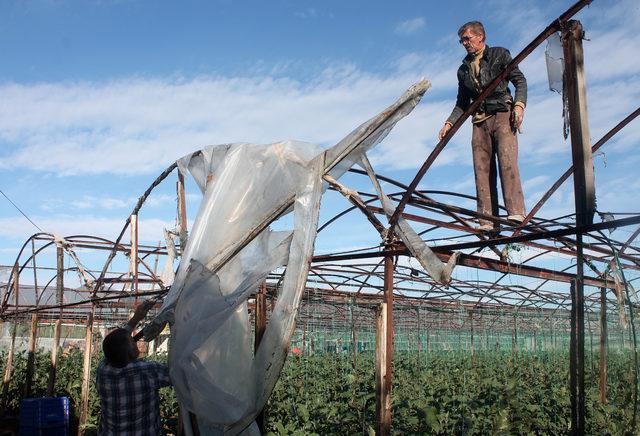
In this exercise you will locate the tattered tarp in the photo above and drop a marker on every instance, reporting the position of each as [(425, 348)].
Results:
[(231, 250)]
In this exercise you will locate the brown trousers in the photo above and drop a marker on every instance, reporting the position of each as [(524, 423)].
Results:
[(494, 137)]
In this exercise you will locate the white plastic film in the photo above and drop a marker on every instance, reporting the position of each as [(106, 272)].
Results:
[(437, 270), (231, 250), (554, 56)]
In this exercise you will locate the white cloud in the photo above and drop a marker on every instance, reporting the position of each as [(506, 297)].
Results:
[(139, 126), (410, 27), (150, 230), (535, 181), (307, 13)]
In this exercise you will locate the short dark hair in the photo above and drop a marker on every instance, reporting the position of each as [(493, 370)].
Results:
[(116, 347), (475, 26)]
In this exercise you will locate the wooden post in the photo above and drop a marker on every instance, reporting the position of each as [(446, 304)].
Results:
[(384, 353), (603, 345), (58, 325), (583, 185), (261, 314), (591, 358), (35, 272), (354, 337), (428, 341), (584, 192), (576, 363), (51, 385), (514, 337), (9, 364), (260, 327), (419, 332), (86, 373), (472, 332), (134, 255), (31, 355), (33, 336)]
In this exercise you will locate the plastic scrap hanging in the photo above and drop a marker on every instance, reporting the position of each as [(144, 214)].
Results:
[(232, 249)]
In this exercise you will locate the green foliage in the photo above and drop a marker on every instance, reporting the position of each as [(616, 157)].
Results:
[(446, 393), (438, 393), (69, 384)]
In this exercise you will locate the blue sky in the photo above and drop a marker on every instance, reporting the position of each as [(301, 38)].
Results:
[(98, 97)]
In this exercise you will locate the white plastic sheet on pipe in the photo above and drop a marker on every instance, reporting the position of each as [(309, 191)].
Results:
[(554, 56), (231, 250)]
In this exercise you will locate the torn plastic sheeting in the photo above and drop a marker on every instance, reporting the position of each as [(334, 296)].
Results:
[(211, 354), (168, 275), (203, 164), (437, 270), (554, 56), (237, 202), (248, 187), (342, 156), (272, 351), (212, 357), (352, 147)]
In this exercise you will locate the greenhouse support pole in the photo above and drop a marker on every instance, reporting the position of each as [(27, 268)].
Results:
[(260, 327), (354, 336), (603, 345), (134, 256), (35, 273), (384, 353), (584, 193), (428, 341), (51, 385), (31, 355), (576, 362), (9, 364), (514, 336), (33, 335), (56, 334), (472, 332), (419, 333), (86, 372)]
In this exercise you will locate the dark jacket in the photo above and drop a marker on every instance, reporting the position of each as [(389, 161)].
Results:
[(494, 60)]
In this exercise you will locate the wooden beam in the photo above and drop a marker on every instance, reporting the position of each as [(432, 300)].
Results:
[(584, 187), (51, 385), (58, 326), (8, 368), (33, 336), (603, 346), (134, 255), (31, 355), (585, 199), (472, 332), (384, 353), (260, 327), (86, 374)]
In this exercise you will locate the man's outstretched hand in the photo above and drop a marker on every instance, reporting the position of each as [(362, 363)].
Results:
[(141, 311), (444, 131)]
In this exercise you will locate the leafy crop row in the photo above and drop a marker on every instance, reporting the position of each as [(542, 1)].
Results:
[(436, 393), (447, 393)]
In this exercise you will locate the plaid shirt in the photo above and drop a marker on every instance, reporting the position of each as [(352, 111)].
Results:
[(129, 398)]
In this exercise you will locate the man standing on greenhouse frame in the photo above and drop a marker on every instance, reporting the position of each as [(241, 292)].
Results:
[(495, 124), (128, 386)]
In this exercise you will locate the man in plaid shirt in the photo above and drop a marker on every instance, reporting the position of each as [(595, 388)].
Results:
[(128, 386)]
